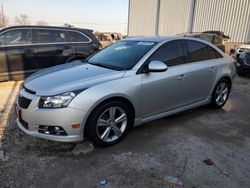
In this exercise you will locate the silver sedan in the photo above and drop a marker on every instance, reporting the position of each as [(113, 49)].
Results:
[(129, 83)]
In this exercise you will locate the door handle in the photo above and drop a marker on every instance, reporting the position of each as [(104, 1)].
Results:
[(212, 69), (28, 51), (67, 47), (182, 77)]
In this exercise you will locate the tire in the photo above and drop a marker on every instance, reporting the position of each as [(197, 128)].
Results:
[(101, 120), (220, 94)]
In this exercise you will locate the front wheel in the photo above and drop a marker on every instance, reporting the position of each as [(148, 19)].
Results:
[(220, 94), (109, 123)]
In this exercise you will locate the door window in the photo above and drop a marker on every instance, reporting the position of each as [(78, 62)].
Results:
[(197, 51), (213, 54), (50, 36), (16, 37), (77, 37), (170, 53)]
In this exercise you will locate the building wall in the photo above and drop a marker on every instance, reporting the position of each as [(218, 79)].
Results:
[(174, 16), (142, 17), (230, 16)]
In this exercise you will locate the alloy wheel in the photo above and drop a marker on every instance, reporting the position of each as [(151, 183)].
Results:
[(111, 124), (221, 93)]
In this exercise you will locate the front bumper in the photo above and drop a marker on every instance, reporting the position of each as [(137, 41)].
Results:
[(68, 138), (31, 118)]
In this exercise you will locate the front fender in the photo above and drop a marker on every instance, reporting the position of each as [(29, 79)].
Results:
[(125, 87)]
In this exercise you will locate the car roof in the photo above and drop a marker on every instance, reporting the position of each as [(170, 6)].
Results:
[(147, 39), (48, 27), (158, 39)]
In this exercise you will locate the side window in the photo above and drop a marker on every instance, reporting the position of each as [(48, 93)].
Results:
[(196, 51), (170, 53), (15, 37), (60, 36), (77, 37), (49, 36), (213, 54)]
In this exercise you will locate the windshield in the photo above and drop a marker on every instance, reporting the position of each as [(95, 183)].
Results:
[(122, 55)]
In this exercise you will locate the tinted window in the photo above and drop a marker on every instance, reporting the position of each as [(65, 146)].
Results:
[(22, 36), (170, 53), (197, 51), (121, 55), (213, 54), (115, 36), (49, 36), (77, 37)]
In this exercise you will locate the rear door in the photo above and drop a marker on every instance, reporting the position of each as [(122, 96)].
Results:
[(202, 62), (82, 44), (17, 60), (52, 47)]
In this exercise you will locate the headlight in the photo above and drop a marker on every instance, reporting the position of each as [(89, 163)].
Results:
[(58, 101)]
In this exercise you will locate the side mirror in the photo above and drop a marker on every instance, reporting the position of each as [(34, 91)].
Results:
[(157, 66)]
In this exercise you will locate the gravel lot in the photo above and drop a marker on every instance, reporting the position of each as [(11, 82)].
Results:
[(173, 146)]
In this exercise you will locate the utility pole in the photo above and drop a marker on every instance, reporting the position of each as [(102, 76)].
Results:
[(157, 17), (191, 16), (3, 19)]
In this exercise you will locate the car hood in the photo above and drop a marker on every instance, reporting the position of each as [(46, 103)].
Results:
[(69, 77)]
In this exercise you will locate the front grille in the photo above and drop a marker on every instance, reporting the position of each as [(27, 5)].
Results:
[(23, 102)]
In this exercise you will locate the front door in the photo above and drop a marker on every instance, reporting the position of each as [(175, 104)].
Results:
[(165, 91)]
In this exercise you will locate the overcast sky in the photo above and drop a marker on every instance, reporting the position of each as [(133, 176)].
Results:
[(101, 15)]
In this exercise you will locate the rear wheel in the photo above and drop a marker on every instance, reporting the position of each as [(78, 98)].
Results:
[(109, 123), (220, 94)]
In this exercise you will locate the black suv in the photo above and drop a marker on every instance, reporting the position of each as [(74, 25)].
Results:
[(26, 49), (243, 63)]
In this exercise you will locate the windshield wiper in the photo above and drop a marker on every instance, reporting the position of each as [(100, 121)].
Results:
[(106, 66)]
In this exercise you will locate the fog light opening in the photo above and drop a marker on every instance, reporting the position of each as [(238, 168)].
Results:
[(52, 130)]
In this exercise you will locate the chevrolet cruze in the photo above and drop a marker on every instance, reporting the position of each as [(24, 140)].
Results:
[(131, 82)]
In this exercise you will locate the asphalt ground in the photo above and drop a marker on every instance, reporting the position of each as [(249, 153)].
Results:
[(172, 146)]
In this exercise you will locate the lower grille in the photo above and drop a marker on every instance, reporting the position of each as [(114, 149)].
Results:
[(23, 102), (24, 123)]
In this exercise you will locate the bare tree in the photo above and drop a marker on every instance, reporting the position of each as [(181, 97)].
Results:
[(40, 22), (3, 19), (22, 19)]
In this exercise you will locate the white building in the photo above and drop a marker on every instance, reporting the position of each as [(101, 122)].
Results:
[(170, 17)]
